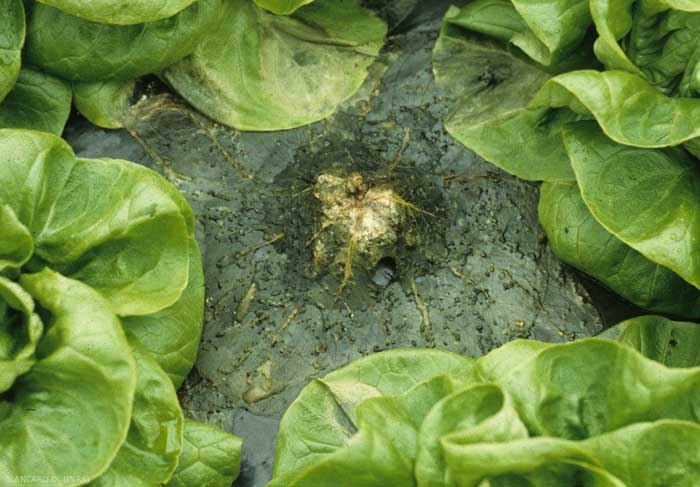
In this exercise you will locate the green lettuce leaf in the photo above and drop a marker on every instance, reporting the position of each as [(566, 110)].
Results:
[(690, 82), (150, 453), (621, 458), (16, 244), (578, 239), (495, 18), (664, 46), (646, 198), (547, 31), (210, 457), (37, 101), (74, 404), (383, 449), (628, 109), (478, 413), (586, 382), (20, 331), (171, 336), (129, 240), (555, 28), (613, 21), (122, 12), (616, 19), (104, 103), (12, 32), (80, 50), (83, 214), (323, 419), (493, 89), (673, 343), (260, 71)]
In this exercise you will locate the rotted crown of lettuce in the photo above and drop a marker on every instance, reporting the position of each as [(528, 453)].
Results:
[(101, 301), (529, 414), (249, 64), (600, 101)]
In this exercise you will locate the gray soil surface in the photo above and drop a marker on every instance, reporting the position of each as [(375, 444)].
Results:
[(469, 278)]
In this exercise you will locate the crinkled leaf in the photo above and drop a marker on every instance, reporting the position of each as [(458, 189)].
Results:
[(390, 374), (690, 82), (104, 103), (481, 413), (112, 224), (16, 244), (150, 453), (647, 198), (639, 455), (673, 343), (494, 89), (628, 109), (122, 12), (210, 457), (383, 449), (260, 71), (282, 7), (547, 31), (323, 420), (538, 462), (12, 31), (591, 390), (556, 28), (494, 18), (662, 453), (171, 336), (664, 46), (38, 101), (20, 331), (578, 239), (615, 19), (27, 158), (80, 50), (128, 240), (70, 413), (589, 387)]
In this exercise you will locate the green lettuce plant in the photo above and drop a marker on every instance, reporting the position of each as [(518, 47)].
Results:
[(598, 100), (588, 413), (101, 302), (250, 64)]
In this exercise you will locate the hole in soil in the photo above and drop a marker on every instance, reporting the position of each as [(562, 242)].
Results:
[(385, 272)]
